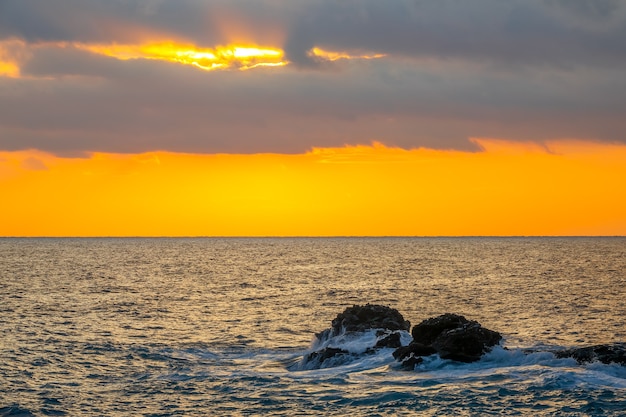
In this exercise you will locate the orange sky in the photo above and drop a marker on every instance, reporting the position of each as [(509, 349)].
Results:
[(568, 188), (222, 118)]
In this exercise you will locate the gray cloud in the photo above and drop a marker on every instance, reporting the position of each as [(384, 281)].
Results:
[(520, 70), (513, 32), (79, 101), (205, 22)]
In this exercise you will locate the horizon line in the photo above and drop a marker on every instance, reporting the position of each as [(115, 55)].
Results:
[(303, 236)]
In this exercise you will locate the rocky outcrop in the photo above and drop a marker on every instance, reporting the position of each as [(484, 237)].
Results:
[(352, 323), (450, 336), (390, 340), (363, 330), (360, 318), (607, 353), (318, 357)]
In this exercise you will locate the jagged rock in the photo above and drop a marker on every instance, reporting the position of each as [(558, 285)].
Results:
[(466, 344), (428, 330), (324, 354), (415, 349), (392, 340), (452, 337), (370, 316), (410, 362), (608, 353), (361, 318), (354, 320)]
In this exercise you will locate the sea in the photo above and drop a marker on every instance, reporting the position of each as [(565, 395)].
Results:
[(219, 326)]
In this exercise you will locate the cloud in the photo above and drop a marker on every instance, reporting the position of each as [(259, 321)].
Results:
[(515, 32), (204, 22), (446, 72)]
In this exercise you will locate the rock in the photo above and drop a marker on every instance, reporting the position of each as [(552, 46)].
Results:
[(347, 326), (324, 354), (607, 353), (452, 337), (390, 341), (466, 344), (410, 362), (428, 330), (415, 349), (370, 316)]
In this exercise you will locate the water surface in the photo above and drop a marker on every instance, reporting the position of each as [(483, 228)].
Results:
[(211, 326)]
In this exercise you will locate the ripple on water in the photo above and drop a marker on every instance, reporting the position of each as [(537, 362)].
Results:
[(209, 326)]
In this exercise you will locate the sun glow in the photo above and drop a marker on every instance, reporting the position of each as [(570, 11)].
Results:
[(9, 69), (224, 57), (507, 189), (11, 52), (335, 56), (240, 57)]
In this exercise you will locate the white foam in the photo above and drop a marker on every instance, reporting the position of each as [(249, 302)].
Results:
[(356, 342)]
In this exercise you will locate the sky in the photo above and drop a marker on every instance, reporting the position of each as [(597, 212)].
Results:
[(312, 117)]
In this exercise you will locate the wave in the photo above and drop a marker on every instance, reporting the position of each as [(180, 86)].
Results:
[(346, 347), (446, 343), (360, 356)]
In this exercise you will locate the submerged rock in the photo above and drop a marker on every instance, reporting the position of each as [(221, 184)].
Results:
[(324, 354), (450, 336), (391, 340), (607, 353), (413, 349)]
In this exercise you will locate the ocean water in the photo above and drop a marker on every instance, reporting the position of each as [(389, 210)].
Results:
[(217, 327)]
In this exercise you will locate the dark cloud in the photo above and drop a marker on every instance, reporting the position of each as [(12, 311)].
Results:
[(515, 32), (518, 69), (79, 101), (598, 10), (205, 22)]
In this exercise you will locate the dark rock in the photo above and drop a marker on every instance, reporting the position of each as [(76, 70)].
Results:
[(428, 330), (323, 335), (415, 349), (608, 353), (370, 316), (324, 354), (347, 325), (410, 362), (390, 341), (466, 344), (452, 337)]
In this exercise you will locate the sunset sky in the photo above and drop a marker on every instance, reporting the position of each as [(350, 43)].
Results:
[(312, 117)]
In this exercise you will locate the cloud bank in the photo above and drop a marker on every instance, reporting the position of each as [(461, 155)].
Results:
[(437, 73)]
